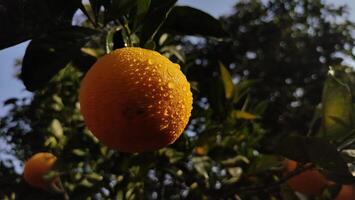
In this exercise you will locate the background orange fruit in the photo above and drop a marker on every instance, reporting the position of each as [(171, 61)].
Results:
[(135, 100), (36, 167), (310, 182), (347, 192)]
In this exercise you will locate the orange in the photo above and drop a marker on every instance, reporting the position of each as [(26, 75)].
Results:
[(347, 192), (36, 167), (135, 100), (309, 182), (200, 151)]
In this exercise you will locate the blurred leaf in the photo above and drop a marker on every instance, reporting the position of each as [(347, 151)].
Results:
[(22, 20), (173, 155), (201, 165), (186, 20), (78, 152), (337, 109), (94, 176), (235, 171), (56, 128), (50, 175), (86, 183), (239, 114), (157, 15), (234, 160), (47, 55), (227, 81), (260, 107)]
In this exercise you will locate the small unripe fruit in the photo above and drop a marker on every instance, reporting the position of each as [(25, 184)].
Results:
[(36, 167)]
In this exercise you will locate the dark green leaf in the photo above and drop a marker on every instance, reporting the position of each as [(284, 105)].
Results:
[(156, 17), (190, 21), (121, 7), (293, 147), (217, 96), (22, 20), (47, 55), (227, 81), (142, 9)]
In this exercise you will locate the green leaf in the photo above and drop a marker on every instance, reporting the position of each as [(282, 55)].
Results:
[(22, 20), (186, 20), (337, 109), (261, 107), (56, 128), (227, 81), (173, 155), (78, 152), (121, 7), (47, 55), (142, 9), (202, 165), (156, 17), (239, 114)]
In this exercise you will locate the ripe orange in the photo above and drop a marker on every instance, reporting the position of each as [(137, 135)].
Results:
[(135, 100), (36, 167), (200, 151), (309, 182), (347, 192)]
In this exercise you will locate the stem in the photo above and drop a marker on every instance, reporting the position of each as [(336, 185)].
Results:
[(127, 29)]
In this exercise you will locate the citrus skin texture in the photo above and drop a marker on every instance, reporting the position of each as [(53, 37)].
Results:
[(36, 167), (135, 100), (309, 182), (347, 192)]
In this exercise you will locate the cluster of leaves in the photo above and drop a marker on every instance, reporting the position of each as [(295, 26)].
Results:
[(238, 84)]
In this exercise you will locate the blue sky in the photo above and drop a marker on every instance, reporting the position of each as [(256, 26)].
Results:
[(12, 87)]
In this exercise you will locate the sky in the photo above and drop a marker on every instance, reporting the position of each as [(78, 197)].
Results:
[(12, 87)]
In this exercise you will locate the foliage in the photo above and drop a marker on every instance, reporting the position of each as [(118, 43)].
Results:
[(261, 90)]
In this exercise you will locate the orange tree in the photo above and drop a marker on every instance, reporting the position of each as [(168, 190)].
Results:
[(236, 140)]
